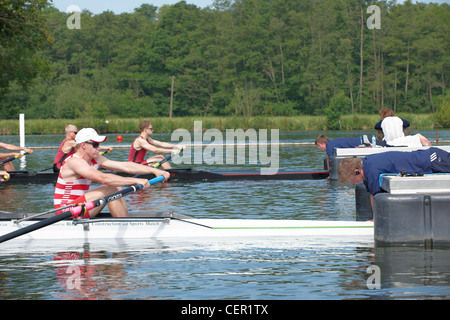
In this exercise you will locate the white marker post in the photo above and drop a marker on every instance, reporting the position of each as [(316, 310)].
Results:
[(22, 139)]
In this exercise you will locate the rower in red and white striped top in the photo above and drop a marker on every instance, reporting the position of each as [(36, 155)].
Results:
[(73, 191), (80, 169)]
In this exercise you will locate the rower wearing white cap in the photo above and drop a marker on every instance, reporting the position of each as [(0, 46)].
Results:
[(80, 169)]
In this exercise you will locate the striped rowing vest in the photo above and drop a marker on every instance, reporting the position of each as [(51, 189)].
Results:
[(67, 192)]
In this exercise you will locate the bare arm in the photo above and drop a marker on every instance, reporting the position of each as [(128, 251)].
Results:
[(76, 167), (68, 146), (12, 147), (130, 167), (4, 156), (154, 146), (165, 145)]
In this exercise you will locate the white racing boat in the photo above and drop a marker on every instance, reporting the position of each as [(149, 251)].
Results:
[(165, 226), (68, 225)]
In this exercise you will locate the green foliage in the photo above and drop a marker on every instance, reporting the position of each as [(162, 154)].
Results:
[(442, 116), (22, 36), (168, 125), (339, 104), (242, 57)]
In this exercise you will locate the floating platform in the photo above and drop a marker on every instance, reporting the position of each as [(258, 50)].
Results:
[(412, 210), (342, 153), (430, 183)]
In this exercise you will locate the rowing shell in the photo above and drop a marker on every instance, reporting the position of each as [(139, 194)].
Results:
[(180, 226), (183, 174)]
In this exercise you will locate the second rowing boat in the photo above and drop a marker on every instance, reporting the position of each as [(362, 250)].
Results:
[(183, 174)]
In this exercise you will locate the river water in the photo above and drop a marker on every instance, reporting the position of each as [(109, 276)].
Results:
[(324, 269)]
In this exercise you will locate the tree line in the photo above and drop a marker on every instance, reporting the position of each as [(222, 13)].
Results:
[(241, 57)]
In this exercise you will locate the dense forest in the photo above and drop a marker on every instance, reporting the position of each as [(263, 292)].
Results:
[(241, 57)]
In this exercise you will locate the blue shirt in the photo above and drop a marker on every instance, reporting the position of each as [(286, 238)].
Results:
[(341, 143), (393, 162)]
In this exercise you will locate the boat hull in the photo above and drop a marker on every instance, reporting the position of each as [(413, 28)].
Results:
[(183, 174), (169, 227)]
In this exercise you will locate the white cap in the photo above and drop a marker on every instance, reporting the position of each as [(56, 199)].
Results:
[(88, 134)]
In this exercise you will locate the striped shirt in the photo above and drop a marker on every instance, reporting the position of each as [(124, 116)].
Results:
[(67, 192)]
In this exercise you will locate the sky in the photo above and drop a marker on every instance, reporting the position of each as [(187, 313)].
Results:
[(120, 6)]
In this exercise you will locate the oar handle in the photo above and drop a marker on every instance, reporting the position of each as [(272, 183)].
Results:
[(159, 163), (106, 151), (12, 158)]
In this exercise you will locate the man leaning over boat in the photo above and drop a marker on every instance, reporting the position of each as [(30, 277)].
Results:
[(79, 170), (369, 169)]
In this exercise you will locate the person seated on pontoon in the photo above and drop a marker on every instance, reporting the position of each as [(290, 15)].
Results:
[(395, 131), (387, 112)]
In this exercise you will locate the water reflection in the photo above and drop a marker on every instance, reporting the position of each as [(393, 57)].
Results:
[(406, 267), (91, 275)]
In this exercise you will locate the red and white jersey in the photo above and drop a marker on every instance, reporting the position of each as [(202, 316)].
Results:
[(67, 192)]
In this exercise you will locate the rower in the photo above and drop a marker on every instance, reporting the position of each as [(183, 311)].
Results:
[(66, 148), (79, 170), (145, 143)]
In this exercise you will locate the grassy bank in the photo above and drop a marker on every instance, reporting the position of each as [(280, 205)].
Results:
[(284, 124)]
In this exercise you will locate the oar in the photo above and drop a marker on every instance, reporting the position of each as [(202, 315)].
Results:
[(75, 212), (12, 158), (159, 163)]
